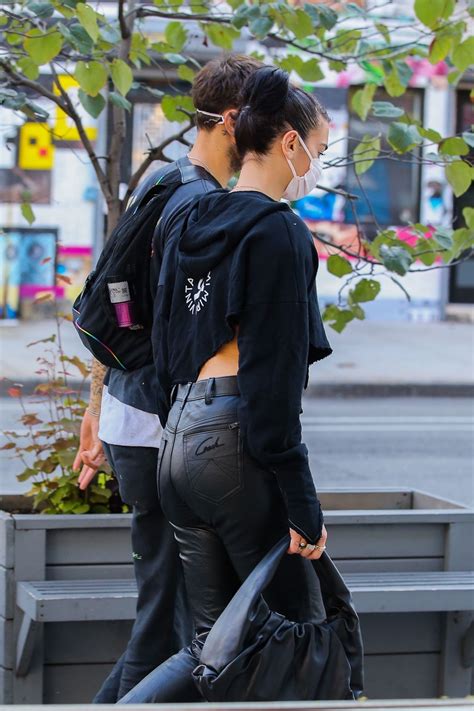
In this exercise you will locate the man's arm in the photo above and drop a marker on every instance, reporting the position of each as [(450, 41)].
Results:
[(97, 385), (90, 453)]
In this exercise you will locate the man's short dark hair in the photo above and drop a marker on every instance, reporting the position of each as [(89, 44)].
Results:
[(218, 86)]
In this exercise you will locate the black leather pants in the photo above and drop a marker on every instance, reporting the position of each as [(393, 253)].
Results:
[(227, 512), (163, 624)]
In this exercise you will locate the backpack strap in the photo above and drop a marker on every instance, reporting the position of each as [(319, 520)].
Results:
[(190, 172)]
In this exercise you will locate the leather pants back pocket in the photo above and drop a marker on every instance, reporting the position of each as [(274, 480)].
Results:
[(213, 461)]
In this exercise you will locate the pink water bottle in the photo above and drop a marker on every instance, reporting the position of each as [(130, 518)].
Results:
[(119, 294)]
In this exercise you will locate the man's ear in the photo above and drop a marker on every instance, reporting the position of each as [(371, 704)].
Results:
[(230, 117)]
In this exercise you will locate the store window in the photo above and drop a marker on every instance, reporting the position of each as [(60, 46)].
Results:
[(461, 283), (27, 266), (389, 192)]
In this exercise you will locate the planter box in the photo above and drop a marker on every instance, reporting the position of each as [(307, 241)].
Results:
[(369, 530)]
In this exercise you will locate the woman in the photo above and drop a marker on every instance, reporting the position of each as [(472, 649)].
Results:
[(236, 327)]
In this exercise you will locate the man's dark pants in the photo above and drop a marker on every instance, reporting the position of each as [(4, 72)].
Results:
[(162, 625)]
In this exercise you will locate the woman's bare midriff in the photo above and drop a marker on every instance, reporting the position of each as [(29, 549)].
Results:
[(224, 362)]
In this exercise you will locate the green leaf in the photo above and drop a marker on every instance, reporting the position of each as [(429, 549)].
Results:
[(246, 14), (338, 318), (43, 47), (403, 137), (362, 100), (94, 105), (81, 508), (120, 101), (77, 37), (110, 33), (27, 474), (122, 76), (171, 107), (427, 258), (309, 71), (327, 16), (365, 290), (155, 92), (440, 48), (365, 153), (430, 134), (298, 22), (41, 9), (385, 109), (339, 266), (186, 73), (444, 237), (463, 239), (458, 174), (454, 146), (429, 11), (260, 27), (395, 259), (463, 54), (8, 445), (468, 214), (88, 19), (27, 212), (176, 35), (175, 58), (384, 31), (358, 311), (468, 136), (91, 76), (393, 84), (220, 35), (28, 68)]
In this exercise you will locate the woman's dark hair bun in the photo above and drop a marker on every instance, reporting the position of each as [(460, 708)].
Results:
[(266, 90), (270, 105)]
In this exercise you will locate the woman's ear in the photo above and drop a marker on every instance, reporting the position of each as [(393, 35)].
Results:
[(289, 143), (230, 117)]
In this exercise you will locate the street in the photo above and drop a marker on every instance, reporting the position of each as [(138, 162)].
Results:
[(424, 443)]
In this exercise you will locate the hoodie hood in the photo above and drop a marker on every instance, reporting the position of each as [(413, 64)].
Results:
[(216, 223)]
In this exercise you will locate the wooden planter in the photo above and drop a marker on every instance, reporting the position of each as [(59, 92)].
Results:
[(369, 530)]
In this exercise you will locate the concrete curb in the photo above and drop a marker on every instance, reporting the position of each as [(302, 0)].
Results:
[(365, 390)]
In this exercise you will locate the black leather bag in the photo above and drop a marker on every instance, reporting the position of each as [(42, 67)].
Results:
[(254, 654)]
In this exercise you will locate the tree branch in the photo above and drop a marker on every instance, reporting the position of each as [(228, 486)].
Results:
[(124, 25), (35, 86), (71, 111), (156, 153)]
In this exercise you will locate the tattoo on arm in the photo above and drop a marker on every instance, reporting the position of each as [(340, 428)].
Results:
[(97, 385)]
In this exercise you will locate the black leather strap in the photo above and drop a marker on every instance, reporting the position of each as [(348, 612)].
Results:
[(226, 385)]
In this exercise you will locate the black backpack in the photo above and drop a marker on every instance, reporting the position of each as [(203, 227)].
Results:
[(113, 314)]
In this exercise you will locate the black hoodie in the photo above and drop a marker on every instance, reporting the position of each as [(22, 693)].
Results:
[(244, 259)]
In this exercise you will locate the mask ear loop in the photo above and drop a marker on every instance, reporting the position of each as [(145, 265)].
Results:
[(311, 158), (214, 116), (292, 167)]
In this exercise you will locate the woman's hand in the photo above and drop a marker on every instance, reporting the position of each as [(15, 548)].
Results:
[(307, 550)]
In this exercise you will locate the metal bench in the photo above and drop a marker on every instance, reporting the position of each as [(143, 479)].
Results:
[(89, 600)]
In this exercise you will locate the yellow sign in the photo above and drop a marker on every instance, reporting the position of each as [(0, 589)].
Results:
[(64, 127), (36, 148)]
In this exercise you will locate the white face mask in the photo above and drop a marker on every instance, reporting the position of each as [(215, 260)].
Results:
[(301, 185)]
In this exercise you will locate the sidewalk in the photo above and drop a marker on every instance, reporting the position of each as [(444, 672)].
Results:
[(369, 358)]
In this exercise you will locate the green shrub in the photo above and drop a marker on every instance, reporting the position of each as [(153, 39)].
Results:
[(47, 445)]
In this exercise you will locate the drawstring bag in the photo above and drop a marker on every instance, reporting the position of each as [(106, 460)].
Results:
[(254, 654)]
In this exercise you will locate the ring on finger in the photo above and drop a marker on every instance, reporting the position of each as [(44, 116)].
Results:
[(301, 544)]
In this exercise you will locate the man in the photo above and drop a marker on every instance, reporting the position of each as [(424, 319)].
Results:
[(122, 411)]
